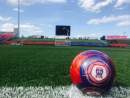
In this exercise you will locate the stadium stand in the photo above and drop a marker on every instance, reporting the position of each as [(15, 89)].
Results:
[(6, 36), (119, 43)]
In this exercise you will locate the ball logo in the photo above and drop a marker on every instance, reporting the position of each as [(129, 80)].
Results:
[(99, 73)]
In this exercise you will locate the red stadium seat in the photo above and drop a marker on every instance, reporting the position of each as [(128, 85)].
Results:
[(6, 36), (119, 45)]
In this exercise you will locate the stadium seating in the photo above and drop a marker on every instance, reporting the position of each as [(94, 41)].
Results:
[(119, 45), (91, 44), (6, 36), (37, 43)]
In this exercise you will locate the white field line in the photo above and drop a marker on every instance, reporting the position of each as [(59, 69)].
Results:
[(57, 92)]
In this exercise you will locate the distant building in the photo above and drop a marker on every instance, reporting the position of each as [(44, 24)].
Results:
[(36, 36)]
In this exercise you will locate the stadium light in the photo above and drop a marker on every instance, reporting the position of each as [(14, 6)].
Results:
[(18, 17)]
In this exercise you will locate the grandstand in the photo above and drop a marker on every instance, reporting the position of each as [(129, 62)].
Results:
[(8, 35), (5, 36), (118, 41)]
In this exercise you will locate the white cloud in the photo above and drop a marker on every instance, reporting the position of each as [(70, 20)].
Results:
[(30, 2), (120, 3), (124, 23), (26, 29), (9, 27), (30, 29), (98, 5), (92, 5), (16, 10), (122, 20), (4, 19)]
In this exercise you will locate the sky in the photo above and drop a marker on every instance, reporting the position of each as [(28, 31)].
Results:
[(92, 18)]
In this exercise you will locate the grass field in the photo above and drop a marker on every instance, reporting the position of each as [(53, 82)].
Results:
[(49, 66)]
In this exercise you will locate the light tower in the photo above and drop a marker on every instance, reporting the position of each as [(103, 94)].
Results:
[(18, 31)]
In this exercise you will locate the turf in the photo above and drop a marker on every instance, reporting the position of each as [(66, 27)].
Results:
[(49, 66)]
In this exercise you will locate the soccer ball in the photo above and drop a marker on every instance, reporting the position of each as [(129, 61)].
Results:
[(92, 72)]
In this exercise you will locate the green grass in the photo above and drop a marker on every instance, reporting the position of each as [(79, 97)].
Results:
[(47, 65)]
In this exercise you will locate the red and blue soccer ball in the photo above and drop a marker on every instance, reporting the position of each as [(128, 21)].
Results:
[(92, 72)]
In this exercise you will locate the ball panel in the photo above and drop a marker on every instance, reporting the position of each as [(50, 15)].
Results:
[(75, 69)]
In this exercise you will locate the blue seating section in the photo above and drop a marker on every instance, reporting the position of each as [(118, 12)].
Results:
[(91, 44)]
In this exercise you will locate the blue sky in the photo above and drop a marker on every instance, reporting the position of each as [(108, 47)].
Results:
[(92, 18)]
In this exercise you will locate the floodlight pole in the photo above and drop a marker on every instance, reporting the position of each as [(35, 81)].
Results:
[(18, 17)]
